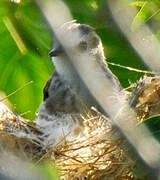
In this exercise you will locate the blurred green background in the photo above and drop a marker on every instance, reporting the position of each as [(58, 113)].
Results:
[(25, 40)]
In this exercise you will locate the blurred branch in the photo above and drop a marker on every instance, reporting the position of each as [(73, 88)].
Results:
[(114, 103), (143, 40)]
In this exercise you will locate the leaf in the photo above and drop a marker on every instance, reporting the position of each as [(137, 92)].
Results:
[(18, 68), (147, 12), (138, 3), (141, 16)]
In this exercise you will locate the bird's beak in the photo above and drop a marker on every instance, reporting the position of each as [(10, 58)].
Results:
[(55, 52)]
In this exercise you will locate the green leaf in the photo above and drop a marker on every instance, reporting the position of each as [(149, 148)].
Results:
[(24, 55), (138, 3), (148, 11), (141, 16)]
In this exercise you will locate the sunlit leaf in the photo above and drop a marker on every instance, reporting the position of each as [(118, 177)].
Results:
[(17, 67), (141, 16), (148, 11), (138, 3)]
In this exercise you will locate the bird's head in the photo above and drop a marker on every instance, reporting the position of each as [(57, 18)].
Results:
[(76, 40)]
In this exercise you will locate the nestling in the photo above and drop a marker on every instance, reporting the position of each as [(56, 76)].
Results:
[(65, 93)]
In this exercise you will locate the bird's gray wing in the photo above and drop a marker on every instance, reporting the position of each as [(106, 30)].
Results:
[(59, 96)]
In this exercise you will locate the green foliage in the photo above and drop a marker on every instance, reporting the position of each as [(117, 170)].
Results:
[(149, 11), (25, 40), (142, 16), (49, 172), (139, 3), (139, 171), (153, 125)]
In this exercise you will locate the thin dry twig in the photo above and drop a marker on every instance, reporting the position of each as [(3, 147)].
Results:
[(16, 91)]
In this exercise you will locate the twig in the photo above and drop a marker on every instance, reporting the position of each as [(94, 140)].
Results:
[(14, 92), (133, 69)]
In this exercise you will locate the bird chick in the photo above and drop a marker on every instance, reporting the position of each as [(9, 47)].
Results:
[(65, 93)]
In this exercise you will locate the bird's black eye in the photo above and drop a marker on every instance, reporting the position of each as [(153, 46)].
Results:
[(83, 45)]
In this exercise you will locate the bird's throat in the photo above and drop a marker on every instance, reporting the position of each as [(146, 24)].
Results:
[(65, 69)]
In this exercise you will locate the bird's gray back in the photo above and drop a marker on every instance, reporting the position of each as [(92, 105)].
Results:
[(64, 96)]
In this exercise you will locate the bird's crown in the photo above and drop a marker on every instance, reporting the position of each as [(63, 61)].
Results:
[(79, 38)]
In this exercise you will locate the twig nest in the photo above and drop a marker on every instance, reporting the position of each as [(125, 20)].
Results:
[(98, 153), (18, 135), (147, 97)]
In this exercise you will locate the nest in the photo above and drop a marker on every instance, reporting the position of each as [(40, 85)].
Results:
[(97, 152), (19, 136), (147, 97)]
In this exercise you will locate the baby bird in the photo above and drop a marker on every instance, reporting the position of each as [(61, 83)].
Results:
[(65, 93)]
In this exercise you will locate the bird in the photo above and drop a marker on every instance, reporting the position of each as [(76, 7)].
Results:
[(65, 93)]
